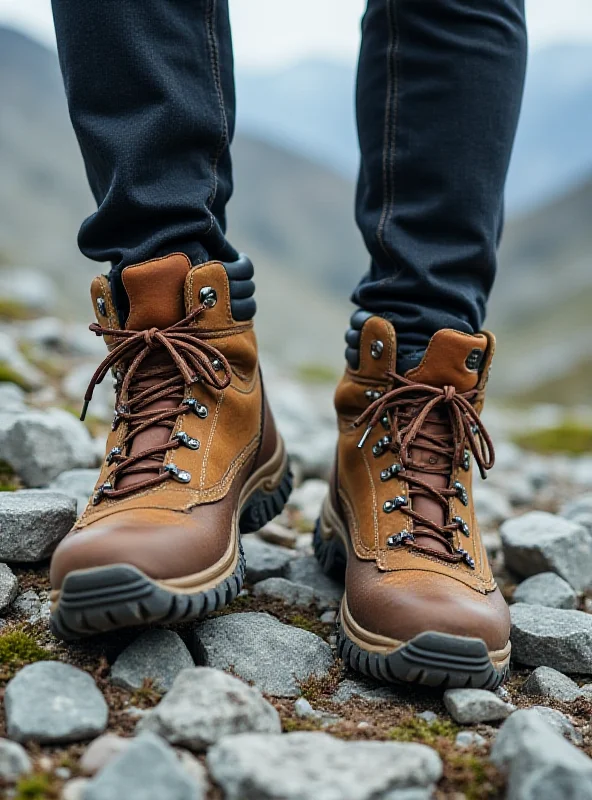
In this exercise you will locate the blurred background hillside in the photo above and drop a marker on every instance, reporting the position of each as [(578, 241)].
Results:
[(295, 163)]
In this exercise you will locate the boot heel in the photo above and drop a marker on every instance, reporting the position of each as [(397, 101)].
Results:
[(328, 544), (263, 506)]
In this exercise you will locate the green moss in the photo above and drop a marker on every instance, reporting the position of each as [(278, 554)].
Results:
[(570, 437), (415, 729), (294, 724), (13, 311), (311, 623), (39, 786), (316, 373), (18, 647), (9, 375), (8, 480), (316, 688), (474, 775)]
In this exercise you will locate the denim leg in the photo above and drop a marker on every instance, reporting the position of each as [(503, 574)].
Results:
[(150, 89), (438, 97)]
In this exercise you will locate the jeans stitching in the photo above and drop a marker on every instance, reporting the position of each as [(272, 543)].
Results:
[(390, 124), (215, 65)]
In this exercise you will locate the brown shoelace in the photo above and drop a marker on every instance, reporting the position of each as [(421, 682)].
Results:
[(404, 412), (190, 360)]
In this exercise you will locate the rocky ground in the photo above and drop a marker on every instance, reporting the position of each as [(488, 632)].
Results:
[(252, 702)]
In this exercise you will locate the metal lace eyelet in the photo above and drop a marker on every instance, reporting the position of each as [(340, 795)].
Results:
[(398, 539), (111, 455), (385, 422), (187, 441), (376, 348), (390, 472), (466, 462), (208, 296), (102, 306), (466, 557), (98, 495), (180, 475), (373, 394), (461, 493), (392, 505), (197, 408), (217, 364), (462, 525), (381, 446)]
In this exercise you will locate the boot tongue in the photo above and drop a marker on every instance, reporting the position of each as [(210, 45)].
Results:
[(156, 296), (156, 292), (451, 359)]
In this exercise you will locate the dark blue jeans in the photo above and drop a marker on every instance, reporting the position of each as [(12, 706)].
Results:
[(151, 94)]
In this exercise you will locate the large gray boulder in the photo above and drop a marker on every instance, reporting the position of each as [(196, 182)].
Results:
[(205, 705), (147, 770), (50, 702), (78, 484), (541, 542), (552, 637), (158, 655), (539, 762), (265, 560), (32, 523), (258, 648), (579, 510), (40, 445), (546, 589), (547, 682), (301, 766)]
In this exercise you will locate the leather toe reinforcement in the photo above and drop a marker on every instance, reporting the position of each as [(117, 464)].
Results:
[(161, 543), (400, 605)]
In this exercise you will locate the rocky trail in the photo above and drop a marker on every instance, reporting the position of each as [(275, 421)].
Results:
[(252, 702)]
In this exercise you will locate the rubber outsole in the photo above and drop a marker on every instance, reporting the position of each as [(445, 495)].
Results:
[(438, 660), (105, 599)]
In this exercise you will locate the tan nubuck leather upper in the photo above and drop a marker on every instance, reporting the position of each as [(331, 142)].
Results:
[(402, 492), (197, 385)]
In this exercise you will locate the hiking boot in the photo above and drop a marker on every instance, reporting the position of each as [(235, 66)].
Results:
[(193, 458), (420, 602)]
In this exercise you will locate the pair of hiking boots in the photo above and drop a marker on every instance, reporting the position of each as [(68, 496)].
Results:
[(194, 460)]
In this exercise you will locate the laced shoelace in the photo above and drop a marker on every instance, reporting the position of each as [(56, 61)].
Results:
[(192, 360), (404, 412)]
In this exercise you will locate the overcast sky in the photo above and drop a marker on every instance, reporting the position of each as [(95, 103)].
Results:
[(269, 33)]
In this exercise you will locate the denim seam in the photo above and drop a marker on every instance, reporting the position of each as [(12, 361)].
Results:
[(215, 65), (390, 124)]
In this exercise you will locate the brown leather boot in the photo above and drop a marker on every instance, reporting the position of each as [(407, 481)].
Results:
[(193, 458), (420, 602)]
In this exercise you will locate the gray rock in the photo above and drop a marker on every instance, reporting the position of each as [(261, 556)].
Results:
[(306, 570), (491, 506), (300, 766), (475, 705), (586, 691), (365, 690), (101, 751), (579, 510), (12, 358), (265, 560), (547, 682), (274, 533), (29, 288), (51, 702), (546, 589), (263, 651), (75, 789), (12, 398), (539, 762), (14, 761), (8, 587), (32, 523), (156, 654), (469, 739), (552, 637), (76, 483), (296, 594), (28, 604), (206, 704), (541, 542), (309, 497), (148, 770), (427, 716), (560, 723), (40, 445)]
